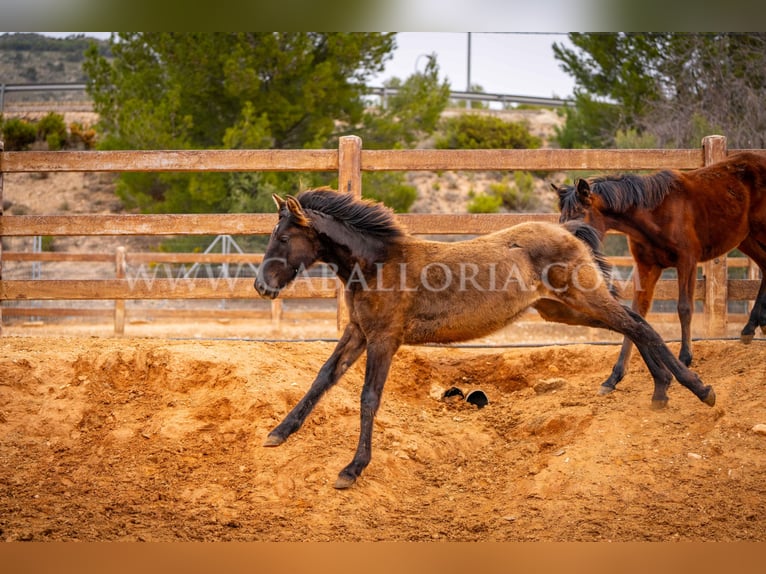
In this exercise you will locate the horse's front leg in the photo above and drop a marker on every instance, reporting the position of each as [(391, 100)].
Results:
[(687, 279), (753, 249), (757, 315), (348, 349), (379, 357), (644, 282)]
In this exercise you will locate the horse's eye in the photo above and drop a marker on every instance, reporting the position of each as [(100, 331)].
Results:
[(284, 238)]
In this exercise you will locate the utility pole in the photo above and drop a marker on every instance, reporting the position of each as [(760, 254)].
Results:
[(468, 82)]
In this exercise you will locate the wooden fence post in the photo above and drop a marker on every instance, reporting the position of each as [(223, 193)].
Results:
[(120, 271), (349, 181), (2, 146), (276, 314), (715, 270)]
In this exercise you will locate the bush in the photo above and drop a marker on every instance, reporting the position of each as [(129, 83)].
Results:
[(18, 134), (478, 131), (52, 130), (518, 195), (389, 188), (631, 139), (484, 203), (79, 135)]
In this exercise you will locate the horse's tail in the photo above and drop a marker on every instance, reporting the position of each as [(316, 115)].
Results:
[(588, 235)]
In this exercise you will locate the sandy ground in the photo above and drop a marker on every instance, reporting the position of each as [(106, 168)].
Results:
[(105, 439)]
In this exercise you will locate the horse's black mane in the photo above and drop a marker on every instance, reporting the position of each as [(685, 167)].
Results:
[(622, 192), (363, 216), (588, 235)]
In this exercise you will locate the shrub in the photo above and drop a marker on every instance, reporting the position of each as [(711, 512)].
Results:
[(390, 188), (18, 134), (52, 129), (478, 131), (518, 195), (79, 135), (631, 139), (484, 203)]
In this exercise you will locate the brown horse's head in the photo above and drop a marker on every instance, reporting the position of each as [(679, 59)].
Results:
[(577, 202), (293, 246)]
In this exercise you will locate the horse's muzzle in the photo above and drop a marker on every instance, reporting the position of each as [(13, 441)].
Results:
[(264, 290)]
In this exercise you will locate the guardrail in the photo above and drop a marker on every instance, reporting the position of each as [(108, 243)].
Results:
[(380, 91)]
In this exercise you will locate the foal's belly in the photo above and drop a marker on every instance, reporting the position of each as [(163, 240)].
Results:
[(461, 323)]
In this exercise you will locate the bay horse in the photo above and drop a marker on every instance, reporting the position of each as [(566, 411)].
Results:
[(676, 219), (401, 290)]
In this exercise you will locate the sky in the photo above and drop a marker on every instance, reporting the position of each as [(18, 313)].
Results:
[(515, 63), (518, 63)]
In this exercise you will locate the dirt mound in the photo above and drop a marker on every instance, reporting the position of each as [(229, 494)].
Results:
[(156, 439)]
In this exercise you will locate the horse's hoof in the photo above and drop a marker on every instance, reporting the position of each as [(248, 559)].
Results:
[(344, 481), (605, 390), (763, 329), (747, 339), (273, 440), (710, 398), (659, 404)]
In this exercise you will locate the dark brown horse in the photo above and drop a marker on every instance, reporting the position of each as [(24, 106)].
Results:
[(677, 219), (403, 290)]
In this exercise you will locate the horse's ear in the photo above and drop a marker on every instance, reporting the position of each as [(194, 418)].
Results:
[(296, 211), (583, 191), (561, 191), (279, 201)]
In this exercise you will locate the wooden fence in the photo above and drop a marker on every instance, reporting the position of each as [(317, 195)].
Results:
[(349, 161)]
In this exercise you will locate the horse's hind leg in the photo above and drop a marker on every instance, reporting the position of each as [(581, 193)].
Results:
[(348, 349), (656, 346), (658, 358), (573, 313), (757, 316), (757, 252)]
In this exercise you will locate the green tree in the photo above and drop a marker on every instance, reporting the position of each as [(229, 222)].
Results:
[(589, 123), (218, 90), (619, 67), (666, 84), (409, 113)]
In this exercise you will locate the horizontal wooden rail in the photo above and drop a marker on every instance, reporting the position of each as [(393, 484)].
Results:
[(530, 159), (371, 160), (57, 312), (57, 256), (206, 224), (627, 261), (191, 288), (238, 258), (242, 288), (170, 160), (239, 224), (193, 257)]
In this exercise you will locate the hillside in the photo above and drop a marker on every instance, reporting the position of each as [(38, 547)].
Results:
[(28, 58)]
